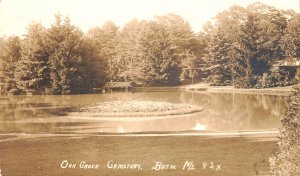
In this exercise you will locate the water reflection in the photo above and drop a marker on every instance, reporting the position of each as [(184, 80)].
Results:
[(199, 127), (33, 114)]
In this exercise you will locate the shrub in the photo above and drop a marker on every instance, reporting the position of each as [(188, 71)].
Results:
[(286, 161), (277, 78)]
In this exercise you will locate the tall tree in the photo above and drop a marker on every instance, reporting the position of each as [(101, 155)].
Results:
[(179, 30), (219, 59), (10, 56), (159, 60), (64, 42), (188, 47), (95, 67), (32, 72), (105, 38), (127, 51), (272, 23), (247, 53), (291, 39), (222, 35), (193, 57)]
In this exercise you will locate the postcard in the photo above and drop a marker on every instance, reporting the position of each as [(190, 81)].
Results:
[(140, 87)]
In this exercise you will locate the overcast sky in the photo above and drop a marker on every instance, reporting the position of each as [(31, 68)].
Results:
[(15, 15)]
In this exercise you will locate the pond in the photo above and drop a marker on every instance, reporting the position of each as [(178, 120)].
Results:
[(222, 112), (36, 137)]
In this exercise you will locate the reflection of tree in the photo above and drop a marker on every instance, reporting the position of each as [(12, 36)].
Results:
[(238, 111), (222, 111), (32, 108)]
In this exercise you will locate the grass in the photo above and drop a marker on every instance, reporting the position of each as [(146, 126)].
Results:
[(231, 89), (140, 109), (238, 156)]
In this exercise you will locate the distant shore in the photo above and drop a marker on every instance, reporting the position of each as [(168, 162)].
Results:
[(231, 89), (204, 87)]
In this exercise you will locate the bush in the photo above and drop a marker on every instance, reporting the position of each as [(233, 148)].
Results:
[(278, 78), (217, 80), (284, 76), (286, 161), (246, 83)]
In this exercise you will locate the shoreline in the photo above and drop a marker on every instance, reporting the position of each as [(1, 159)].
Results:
[(198, 87), (127, 110), (129, 118), (259, 133), (203, 87), (206, 88)]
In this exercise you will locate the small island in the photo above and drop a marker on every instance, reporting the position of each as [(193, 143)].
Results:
[(133, 109)]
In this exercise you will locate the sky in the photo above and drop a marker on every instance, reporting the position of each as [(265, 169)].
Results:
[(15, 15)]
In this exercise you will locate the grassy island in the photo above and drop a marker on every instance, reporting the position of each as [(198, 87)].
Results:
[(134, 109)]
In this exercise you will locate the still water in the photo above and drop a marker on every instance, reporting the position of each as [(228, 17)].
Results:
[(222, 112)]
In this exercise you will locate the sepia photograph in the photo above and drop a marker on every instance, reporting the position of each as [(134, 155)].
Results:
[(149, 87)]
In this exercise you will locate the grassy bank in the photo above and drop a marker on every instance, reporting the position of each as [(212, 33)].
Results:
[(237, 155), (204, 87), (231, 89)]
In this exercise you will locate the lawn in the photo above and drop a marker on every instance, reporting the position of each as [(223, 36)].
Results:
[(240, 156)]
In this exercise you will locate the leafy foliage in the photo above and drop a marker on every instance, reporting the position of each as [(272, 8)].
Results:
[(279, 77), (287, 161)]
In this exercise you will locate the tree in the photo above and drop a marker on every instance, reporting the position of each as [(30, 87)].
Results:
[(291, 39), (105, 39), (64, 42), (2, 45), (179, 30), (189, 47), (159, 61), (286, 160), (95, 67), (192, 58), (127, 51), (10, 56), (248, 62), (222, 35), (272, 23), (219, 60), (32, 72), (228, 22), (255, 31)]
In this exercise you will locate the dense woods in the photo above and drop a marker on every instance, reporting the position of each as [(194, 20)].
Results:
[(239, 47)]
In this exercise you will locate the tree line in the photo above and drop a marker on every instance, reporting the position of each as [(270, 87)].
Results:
[(237, 47), (57, 60), (244, 43)]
